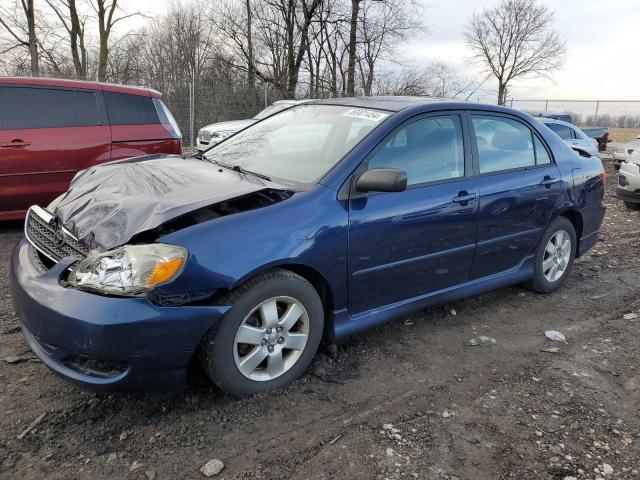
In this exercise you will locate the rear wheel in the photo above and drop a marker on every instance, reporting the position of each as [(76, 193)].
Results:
[(554, 256), (268, 337), (632, 205)]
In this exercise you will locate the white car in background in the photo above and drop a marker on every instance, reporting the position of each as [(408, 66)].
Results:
[(216, 132), (574, 137), (623, 153), (629, 182)]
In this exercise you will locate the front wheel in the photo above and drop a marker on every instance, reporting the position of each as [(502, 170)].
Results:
[(554, 256), (268, 337), (632, 205)]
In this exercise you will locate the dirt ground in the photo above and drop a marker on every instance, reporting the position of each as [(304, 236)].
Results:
[(407, 400)]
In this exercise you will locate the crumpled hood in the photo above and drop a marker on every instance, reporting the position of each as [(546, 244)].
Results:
[(108, 204)]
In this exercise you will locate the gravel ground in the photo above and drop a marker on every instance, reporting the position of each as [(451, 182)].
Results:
[(407, 400)]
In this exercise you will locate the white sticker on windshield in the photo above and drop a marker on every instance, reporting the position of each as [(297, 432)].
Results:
[(365, 114)]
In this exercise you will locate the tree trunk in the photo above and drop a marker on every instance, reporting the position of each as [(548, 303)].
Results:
[(33, 42), (502, 90), (250, 74), (351, 69), (312, 74), (368, 85), (334, 75), (78, 51), (104, 28)]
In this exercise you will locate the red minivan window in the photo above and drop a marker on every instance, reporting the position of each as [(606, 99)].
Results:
[(136, 126), (46, 136), (50, 129)]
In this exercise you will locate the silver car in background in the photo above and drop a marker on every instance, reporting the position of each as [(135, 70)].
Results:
[(625, 152), (214, 133), (629, 181), (574, 137)]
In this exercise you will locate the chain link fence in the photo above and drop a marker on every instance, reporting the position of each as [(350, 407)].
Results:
[(197, 104), (588, 113)]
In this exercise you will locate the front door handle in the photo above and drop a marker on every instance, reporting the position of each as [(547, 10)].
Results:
[(17, 143), (547, 181), (464, 197)]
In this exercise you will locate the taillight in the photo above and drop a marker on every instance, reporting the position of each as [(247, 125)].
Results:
[(603, 177), (597, 144), (166, 119)]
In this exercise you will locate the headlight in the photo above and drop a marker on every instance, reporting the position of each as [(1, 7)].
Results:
[(223, 134), (129, 270)]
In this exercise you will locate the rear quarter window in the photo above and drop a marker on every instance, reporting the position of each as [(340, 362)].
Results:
[(127, 109), (27, 107)]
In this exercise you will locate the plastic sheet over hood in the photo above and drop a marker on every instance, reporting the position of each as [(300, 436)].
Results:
[(108, 204)]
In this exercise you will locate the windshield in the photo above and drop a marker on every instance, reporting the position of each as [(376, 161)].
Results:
[(298, 145)]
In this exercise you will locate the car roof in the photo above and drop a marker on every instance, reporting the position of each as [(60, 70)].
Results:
[(553, 120), (390, 103), (84, 84)]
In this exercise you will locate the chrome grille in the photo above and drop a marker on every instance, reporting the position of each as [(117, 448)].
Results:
[(49, 238)]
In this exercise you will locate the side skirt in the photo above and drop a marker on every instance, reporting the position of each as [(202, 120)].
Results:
[(346, 325)]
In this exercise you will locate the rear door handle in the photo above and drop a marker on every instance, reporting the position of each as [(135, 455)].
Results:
[(464, 197), (15, 144), (548, 181)]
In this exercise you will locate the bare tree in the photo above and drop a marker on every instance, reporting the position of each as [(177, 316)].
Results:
[(443, 81), (250, 73), (405, 81), (353, 38), (279, 44), (382, 27), (21, 29), (108, 15), (514, 40), (74, 24)]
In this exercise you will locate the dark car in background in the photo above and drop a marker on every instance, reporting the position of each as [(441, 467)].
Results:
[(325, 219), (50, 129)]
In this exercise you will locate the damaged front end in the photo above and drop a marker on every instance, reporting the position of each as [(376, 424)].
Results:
[(113, 215)]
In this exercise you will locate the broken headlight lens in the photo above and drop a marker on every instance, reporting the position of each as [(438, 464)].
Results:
[(129, 270)]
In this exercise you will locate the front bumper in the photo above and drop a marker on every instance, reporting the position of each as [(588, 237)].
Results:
[(620, 157), (153, 344), (629, 182)]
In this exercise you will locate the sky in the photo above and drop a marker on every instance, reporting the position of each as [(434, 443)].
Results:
[(602, 47), (601, 35)]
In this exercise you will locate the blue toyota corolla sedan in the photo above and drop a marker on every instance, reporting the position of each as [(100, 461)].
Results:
[(320, 221)]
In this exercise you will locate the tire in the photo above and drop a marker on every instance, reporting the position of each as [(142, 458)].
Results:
[(544, 280), (632, 205), (271, 298)]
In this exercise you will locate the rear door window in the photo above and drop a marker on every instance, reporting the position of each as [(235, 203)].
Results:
[(503, 143), (127, 109), (27, 107)]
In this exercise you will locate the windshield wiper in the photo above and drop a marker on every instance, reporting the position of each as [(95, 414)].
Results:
[(239, 169)]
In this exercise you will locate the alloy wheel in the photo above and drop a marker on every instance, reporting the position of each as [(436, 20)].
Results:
[(271, 338), (557, 254)]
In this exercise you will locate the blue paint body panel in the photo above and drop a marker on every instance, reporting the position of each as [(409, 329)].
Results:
[(378, 255)]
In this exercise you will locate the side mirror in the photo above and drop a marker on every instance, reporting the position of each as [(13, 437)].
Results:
[(382, 180)]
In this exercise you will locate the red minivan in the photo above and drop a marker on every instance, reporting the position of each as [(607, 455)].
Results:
[(50, 129)]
